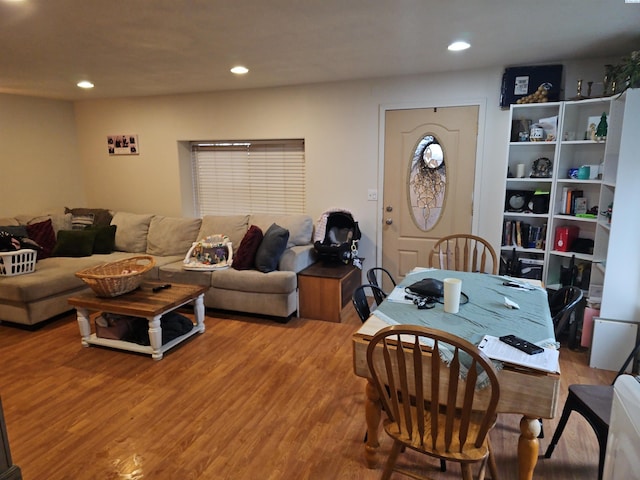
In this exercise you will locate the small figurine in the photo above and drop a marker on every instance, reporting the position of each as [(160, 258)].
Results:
[(601, 131)]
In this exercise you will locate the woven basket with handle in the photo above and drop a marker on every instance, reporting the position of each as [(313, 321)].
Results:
[(116, 278)]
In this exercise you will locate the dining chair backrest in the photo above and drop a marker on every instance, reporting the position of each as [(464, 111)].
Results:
[(464, 253), (439, 391), (361, 301), (372, 278), (562, 304)]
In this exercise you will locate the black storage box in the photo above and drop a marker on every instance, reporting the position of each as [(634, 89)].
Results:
[(518, 82)]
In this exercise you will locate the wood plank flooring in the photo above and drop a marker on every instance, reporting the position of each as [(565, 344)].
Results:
[(248, 399)]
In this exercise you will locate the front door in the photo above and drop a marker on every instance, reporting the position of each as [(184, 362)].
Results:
[(429, 170)]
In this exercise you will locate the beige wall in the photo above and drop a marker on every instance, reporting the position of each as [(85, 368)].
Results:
[(340, 122), (39, 157)]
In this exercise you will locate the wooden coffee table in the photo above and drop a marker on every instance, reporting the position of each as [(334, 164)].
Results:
[(142, 302)]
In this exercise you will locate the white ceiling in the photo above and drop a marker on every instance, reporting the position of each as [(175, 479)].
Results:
[(155, 47)]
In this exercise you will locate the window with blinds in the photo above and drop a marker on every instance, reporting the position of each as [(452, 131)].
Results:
[(263, 176)]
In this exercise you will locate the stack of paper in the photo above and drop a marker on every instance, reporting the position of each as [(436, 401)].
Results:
[(546, 361)]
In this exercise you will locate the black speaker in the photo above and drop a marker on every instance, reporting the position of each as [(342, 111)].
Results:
[(539, 203), (517, 200)]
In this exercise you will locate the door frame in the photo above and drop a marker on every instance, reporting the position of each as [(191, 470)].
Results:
[(481, 103)]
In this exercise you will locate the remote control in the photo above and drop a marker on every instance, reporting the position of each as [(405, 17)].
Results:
[(160, 287), (521, 344)]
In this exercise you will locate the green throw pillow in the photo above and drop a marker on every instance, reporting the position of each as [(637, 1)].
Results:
[(74, 243), (105, 241)]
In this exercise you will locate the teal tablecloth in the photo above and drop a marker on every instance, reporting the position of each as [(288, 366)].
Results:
[(484, 314)]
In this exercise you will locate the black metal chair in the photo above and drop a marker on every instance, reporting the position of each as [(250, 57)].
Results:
[(372, 278), (361, 300), (562, 304), (593, 402)]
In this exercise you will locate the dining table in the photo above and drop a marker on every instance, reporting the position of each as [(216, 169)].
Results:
[(491, 305)]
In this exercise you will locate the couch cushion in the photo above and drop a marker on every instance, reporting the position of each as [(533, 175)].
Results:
[(174, 273), (101, 216), (271, 248), (233, 226), (42, 233), (244, 258), (131, 234), (74, 243), (300, 226), (53, 276), (172, 235), (253, 281)]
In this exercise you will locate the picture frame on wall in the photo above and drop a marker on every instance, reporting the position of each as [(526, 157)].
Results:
[(123, 144)]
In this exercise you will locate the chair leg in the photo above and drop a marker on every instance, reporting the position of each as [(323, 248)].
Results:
[(483, 469), (466, 471), (602, 444), (493, 467), (391, 461), (443, 466), (566, 411)]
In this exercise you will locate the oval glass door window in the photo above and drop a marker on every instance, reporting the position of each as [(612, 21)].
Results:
[(427, 182)]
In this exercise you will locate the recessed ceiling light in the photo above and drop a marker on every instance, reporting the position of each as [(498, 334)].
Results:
[(457, 46), (239, 70), (85, 84)]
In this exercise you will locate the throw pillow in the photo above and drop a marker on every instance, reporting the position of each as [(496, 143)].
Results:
[(271, 248), (101, 216), (42, 233), (105, 240), (74, 243), (245, 256), (80, 222)]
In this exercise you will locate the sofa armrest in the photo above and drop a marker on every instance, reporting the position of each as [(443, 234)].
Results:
[(297, 258)]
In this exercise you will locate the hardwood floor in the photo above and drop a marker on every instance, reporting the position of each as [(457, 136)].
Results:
[(248, 399)]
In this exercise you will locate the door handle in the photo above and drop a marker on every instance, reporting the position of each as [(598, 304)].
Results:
[(388, 221)]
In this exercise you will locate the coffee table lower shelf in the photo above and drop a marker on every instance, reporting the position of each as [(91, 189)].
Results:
[(146, 303), (135, 347)]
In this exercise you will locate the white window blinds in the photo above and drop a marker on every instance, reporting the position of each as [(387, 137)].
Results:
[(264, 176)]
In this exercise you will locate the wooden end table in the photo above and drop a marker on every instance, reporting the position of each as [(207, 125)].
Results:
[(142, 302), (324, 290)]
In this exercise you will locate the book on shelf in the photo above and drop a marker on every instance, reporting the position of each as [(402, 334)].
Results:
[(580, 206), (563, 200), (568, 201), (516, 233)]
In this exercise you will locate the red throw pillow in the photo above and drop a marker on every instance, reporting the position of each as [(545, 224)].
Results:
[(244, 257), (42, 233)]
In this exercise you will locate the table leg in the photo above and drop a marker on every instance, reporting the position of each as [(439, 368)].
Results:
[(373, 411), (84, 324), (199, 312), (155, 337), (528, 446)]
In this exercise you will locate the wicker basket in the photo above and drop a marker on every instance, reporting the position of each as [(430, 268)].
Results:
[(117, 278)]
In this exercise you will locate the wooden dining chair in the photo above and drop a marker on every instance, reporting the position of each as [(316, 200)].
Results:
[(361, 301), (372, 278), (464, 253), (430, 407), (593, 402)]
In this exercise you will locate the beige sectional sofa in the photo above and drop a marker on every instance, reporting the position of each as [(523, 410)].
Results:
[(34, 297)]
